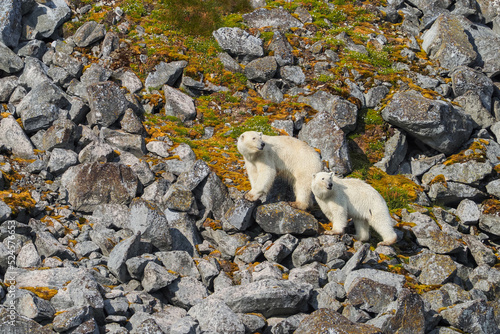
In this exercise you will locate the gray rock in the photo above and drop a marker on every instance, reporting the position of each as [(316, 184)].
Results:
[(179, 104), (485, 279), (276, 17), (91, 185), (280, 218), (444, 129), (208, 270), (185, 235), (434, 268), (180, 262), (179, 198), (228, 244), (468, 212), (89, 33), (490, 223), (48, 246), (271, 91), (409, 315), (375, 95), (465, 79), (15, 323), (156, 277), (252, 322), (269, 297), (323, 133), (128, 79), (471, 104), (307, 251), (116, 306), (62, 134), (370, 295), (421, 165), (394, 153), (131, 123), (138, 166), (85, 248), (107, 103), (165, 74), (186, 325), (214, 315), (473, 317), (10, 62), (469, 172), (132, 144), (34, 73), (429, 235), (186, 292), (34, 48), (136, 265), (60, 160), (261, 69), (7, 86), (283, 51), (73, 66), (480, 253), (43, 20), (96, 152), (82, 291), (453, 193), (327, 320), (31, 306), (123, 251), (159, 148), (229, 63), (266, 270), (239, 217), (111, 43), (329, 296), (292, 74), (10, 23), (28, 256), (214, 197), (379, 276), (148, 219), (239, 43), (13, 138)]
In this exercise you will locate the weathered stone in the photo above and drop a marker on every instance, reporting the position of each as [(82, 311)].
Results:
[(329, 321), (89, 33), (90, 185), (369, 295), (434, 122), (148, 218), (323, 133), (429, 235), (283, 51), (165, 74), (28, 256), (280, 218), (277, 17), (215, 316), (307, 251), (156, 277), (379, 276), (261, 69), (180, 262), (131, 123), (186, 292), (228, 244), (239, 217), (473, 317), (48, 246), (179, 104), (123, 251), (185, 235), (480, 253), (10, 23), (71, 318), (96, 152), (269, 297), (375, 95), (468, 212), (394, 153), (60, 160), (292, 74), (214, 197), (44, 19), (13, 138), (127, 143), (107, 103), (409, 316), (239, 43), (435, 269), (31, 306), (7, 86)]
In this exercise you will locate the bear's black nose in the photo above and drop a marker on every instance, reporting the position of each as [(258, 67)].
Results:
[(330, 186), (262, 145)]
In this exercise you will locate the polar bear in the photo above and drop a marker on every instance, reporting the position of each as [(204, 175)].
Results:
[(341, 199), (266, 156)]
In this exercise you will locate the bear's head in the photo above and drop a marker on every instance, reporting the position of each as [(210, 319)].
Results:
[(322, 183), (250, 142)]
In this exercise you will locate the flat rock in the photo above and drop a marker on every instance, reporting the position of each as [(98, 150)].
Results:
[(329, 321), (280, 218), (45, 18), (214, 315), (239, 43), (276, 17), (165, 74)]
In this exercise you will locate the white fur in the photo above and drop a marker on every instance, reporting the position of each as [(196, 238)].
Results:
[(341, 199), (292, 158)]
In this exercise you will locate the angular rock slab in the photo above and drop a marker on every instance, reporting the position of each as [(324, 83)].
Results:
[(280, 218), (14, 138), (10, 23), (239, 43), (91, 185), (277, 17), (215, 316), (107, 103), (472, 317), (269, 296), (330, 321), (436, 123), (45, 18)]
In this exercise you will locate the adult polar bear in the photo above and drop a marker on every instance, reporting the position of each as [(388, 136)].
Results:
[(341, 199), (266, 156)]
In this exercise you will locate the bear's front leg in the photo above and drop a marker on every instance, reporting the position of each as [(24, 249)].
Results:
[(263, 178), (338, 217)]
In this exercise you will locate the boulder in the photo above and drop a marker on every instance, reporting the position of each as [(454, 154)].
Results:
[(214, 315), (239, 43), (179, 104), (276, 17), (165, 74), (10, 23), (329, 321), (434, 122), (89, 33), (43, 20), (94, 184), (107, 103), (13, 138), (261, 69), (280, 218)]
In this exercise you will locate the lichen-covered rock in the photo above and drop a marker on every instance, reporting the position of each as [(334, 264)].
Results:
[(123, 251), (44, 19), (269, 297), (369, 295), (480, 253), (473, 317), (469, 172), (329, 321), (165, 74), (90, 185), (186, 292), (179, 104), (323, 133), (213, 315), (156, 277), (280, 218), (429, 234), (261, 69), (107, 103), (283, 51), (434, 268), (89, 33), (409, 316), (434, 122), (13, 137), (277, 17), (10, 23), (239, 43)]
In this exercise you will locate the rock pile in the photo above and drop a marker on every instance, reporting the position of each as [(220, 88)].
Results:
[(106, 243)]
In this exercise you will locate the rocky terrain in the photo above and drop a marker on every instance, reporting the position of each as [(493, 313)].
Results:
[(121, 196)]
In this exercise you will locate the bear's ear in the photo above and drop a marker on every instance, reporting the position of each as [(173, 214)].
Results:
[(260, 134), (242, 136), (314, 175)]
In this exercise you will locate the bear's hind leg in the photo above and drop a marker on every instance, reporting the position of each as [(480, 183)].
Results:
[(264, 179), (383, 226), (362, 229)]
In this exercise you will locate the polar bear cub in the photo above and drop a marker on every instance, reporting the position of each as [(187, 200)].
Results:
[(266, 156), (341, 199)]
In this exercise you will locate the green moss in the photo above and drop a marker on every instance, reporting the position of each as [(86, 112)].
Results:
[(256, 123)]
